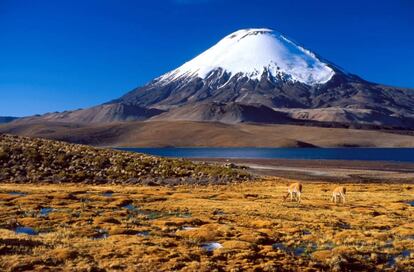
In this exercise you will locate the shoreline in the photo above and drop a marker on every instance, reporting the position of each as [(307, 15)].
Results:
[(326, 170)]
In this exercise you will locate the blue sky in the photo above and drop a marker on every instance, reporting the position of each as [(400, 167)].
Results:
[(62, 55)]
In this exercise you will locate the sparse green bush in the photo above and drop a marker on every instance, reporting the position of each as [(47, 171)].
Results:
[(3, 154), (80, 176), (62, 159), (32, 154), (101, 162)]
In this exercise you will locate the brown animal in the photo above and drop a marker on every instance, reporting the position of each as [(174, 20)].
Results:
[(338, 194), (294, 191)]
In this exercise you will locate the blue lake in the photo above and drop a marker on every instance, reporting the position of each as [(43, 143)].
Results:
[(364, 154)]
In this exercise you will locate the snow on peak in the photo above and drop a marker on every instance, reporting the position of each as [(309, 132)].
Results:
[(251, 52)]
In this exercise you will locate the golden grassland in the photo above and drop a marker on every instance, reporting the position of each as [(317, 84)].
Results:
[(168, 228)]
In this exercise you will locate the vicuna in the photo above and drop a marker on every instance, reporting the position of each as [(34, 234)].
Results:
[(294, 191), (338, 194)]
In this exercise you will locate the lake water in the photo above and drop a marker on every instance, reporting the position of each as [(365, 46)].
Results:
[(365, 154)]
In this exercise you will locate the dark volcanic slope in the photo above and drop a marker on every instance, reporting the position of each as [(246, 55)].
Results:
[(344, 99), (226, 113)]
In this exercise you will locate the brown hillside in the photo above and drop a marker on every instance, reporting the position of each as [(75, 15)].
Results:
[(188, 133)]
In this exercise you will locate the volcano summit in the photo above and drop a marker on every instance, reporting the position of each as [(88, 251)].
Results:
[(253, 52)]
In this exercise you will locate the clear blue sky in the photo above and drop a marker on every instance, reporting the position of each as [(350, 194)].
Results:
[(60, 55)]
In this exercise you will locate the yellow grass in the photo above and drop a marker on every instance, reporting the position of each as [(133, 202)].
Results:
[(374, 230)]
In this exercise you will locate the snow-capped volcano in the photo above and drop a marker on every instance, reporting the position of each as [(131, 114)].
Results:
[(252, 52), (260, 76)]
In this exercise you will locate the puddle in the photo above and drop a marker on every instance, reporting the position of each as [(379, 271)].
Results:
[(411, 203), (297, 251), (108, 194), (211, 246), (406, 253), (185, 215), (149, 214), (26, 230), (101, 234), (179, 214), (312, 247), (343, 225), (328, 245), (144, 233), (15, 193), (188, 228), (389, 244), (131, 207), (45, 211), (279, 246), (306, 232), (391, 261)]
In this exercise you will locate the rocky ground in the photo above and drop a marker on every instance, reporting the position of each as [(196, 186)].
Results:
[(233, 227), (30, 160)]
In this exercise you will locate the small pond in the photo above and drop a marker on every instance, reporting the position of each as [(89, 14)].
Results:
[(45, 211), (26, 230), (15, 193)]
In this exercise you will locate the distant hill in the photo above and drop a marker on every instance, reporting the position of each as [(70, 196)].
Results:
[(7, 119), (192, 133)]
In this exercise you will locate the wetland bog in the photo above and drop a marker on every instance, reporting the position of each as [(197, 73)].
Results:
[(243, 226)]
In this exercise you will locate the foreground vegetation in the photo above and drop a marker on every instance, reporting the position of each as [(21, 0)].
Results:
[(28, 160), (233, 227)]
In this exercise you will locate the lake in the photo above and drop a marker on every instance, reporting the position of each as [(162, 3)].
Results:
[(364, 154)]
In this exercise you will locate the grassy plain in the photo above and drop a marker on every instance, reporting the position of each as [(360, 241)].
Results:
[(142, 228)]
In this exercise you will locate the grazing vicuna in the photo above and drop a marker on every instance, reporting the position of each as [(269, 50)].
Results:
[(294, 191), (338, 194)]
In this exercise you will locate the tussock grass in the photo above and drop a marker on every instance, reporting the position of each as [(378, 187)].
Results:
[(374, 230)]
